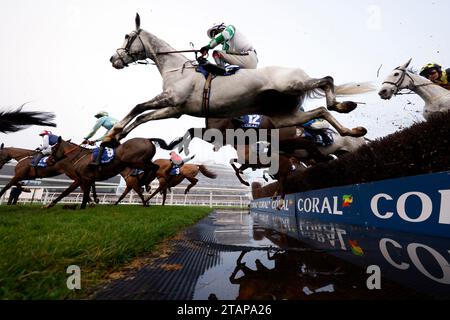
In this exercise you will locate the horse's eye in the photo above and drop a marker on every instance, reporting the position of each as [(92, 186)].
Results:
[(396, 74), (127, 36)]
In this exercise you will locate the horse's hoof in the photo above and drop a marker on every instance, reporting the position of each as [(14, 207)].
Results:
[(47, 206), (246, 183), (344, 107), (97, 201), (358, 132), (91, 205)]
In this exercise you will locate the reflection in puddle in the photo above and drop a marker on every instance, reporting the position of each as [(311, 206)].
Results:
[(325, 261)]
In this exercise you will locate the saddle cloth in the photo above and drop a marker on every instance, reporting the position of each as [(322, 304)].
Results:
[(107, 156), (43, 162), (175, 171)]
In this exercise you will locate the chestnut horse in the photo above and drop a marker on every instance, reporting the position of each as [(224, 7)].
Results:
[(74, 161)]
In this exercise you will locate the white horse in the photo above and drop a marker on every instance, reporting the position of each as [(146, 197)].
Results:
[(437, 99), (249, 91)]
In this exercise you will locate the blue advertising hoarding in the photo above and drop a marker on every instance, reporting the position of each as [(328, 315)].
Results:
[(417, 204)]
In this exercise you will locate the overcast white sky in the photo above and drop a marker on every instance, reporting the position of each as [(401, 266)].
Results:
[(55, 54)]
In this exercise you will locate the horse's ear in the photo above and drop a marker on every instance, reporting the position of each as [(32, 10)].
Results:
[(2, 146), (59, 139), (70, 140), (138, 21), (406, 65)]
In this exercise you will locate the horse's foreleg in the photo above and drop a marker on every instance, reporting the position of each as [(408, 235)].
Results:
[(237, 171), (86, 190), (160, 101), (126, 191), (11, 183), (94, 194), (72, 187), (300, 117), (168, 112), (162, 185), (164, 196)]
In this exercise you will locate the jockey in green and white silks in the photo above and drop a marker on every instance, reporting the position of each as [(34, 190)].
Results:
[(105, 121), (236, 49)]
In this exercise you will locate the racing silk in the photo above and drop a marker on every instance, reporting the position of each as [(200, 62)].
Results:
[(176, 159), (106, 122), (443, 81), (49, 140), (232, 40)]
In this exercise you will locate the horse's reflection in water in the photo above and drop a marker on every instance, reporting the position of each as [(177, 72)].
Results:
[(302, 273)]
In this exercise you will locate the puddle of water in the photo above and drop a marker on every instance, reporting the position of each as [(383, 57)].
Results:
[(322, 261)]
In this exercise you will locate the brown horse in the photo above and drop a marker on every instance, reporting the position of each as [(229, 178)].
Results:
[(74, 161), (289, 142), (134, 182), (23, 169), (188, 171)]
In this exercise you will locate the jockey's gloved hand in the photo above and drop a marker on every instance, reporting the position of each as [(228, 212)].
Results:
[(204, 50)]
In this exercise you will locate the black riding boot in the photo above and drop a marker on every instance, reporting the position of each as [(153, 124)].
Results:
[(36, 159), (99, 156), (211, 67)]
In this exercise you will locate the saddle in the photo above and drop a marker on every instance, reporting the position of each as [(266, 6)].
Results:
[(210, 71), (206, 68), (39, 161)]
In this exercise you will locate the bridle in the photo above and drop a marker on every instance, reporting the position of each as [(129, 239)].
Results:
[(66, 152), (131, 38), (398, 83), (137, 35)]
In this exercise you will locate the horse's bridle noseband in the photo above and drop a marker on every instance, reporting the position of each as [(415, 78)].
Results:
[(402, 77), (134, 35), (399, 82)]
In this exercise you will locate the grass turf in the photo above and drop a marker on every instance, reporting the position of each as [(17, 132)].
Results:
[(37, 245)]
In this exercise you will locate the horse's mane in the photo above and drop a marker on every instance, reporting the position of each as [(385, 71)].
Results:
[(15, 120), (76, 145)]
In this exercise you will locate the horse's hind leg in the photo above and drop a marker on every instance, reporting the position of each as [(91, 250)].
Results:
[(327, 85), (193, 182), (300, 117), (11, 183)]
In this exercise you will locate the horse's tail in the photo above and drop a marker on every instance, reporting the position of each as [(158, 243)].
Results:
[(352, 88), (163, 144), (206, 172), (15, 120), (346, 89)]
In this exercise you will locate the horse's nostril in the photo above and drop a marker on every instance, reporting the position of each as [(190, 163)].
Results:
[(382, 92), (111, 59)]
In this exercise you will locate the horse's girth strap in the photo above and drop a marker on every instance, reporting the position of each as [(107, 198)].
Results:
[(206, 94)]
